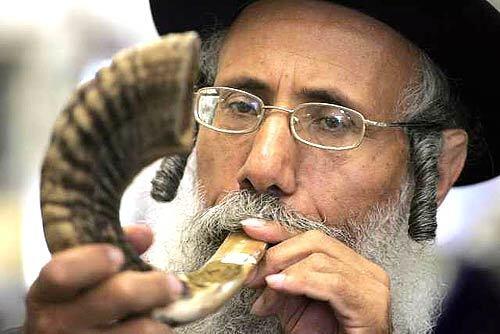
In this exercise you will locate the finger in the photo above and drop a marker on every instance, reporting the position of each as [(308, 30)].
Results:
[(141, 325), (314, 286), (297, 314), (140, 236), (344, 290), (317, 265), (297, 248), (268, 231), (125, 294), (355, 305), (265, 304), (70, 271), (316, 317), (268, 303)]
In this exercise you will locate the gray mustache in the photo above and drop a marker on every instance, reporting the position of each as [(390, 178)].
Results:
[(217, 221)]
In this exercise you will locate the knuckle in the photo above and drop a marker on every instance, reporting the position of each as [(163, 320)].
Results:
[(338, 282), (317, 258), (138, 292), (55, 274), (318, 261), (316, 235), (299, 278), (123, 287), (101, 255), (271, 257), (102, 251), (158, 280), (159, 284)]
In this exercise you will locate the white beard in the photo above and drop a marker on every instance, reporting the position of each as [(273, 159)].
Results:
[(416, 288)]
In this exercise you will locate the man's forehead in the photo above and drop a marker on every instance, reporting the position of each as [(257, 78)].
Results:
[(321, 14), (323, 46)]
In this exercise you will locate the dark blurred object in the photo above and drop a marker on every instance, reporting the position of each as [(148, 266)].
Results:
[(473, 306), (461, 36)]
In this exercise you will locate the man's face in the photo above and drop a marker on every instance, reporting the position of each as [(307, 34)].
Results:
[(288, 53), (295, 52)]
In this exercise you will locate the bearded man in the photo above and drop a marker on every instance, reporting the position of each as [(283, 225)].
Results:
[(349, 137)]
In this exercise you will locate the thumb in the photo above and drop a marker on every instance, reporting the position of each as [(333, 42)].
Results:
[(140, 236)]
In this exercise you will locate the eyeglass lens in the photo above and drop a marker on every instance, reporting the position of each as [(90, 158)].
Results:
[(229, 110), (317, 123), (328, 125)]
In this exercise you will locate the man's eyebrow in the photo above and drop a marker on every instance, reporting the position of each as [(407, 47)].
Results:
[(248, 84), (326, 96), (254, 85)]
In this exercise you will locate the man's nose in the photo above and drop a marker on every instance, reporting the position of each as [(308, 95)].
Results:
[(270, 165)]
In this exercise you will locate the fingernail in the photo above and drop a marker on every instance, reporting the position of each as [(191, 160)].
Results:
[(175, 285), (253, 222), (275, 280), (116, 256)]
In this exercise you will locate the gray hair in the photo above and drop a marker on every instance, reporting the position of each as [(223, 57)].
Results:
[(209, 57), (428, 98)]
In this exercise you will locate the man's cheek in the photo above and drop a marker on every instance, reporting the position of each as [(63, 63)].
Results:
[(339, 192), (219, 159)]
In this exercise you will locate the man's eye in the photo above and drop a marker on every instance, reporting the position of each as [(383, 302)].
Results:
[(242, 107), (333, 123)]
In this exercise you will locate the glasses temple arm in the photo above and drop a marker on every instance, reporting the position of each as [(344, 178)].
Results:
[(404, 124)]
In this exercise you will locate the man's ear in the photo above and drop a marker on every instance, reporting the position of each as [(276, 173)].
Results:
[(451, 160)]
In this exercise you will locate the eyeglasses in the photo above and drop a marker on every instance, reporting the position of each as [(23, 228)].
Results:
[(322, 125)]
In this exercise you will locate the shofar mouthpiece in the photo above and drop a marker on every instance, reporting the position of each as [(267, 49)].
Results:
[(208, 288)]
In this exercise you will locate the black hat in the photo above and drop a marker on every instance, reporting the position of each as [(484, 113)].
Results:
[(461, 36)]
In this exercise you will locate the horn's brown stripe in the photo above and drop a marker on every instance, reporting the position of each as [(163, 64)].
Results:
[(66, 166), (105, 209), (101, 129), (108, 105), (57, 192), (66, 182), (109, 175), (92, 100), (82, 190), (125, 102), (99, 126), (67, 153), (112, 127)]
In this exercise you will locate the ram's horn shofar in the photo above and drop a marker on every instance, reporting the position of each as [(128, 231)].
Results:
[(219, 279), (134, 112)]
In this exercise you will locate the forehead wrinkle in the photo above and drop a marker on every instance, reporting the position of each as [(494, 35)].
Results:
[(360, 37), (376, 54), (322, 17), (257, 82), (228, 63)]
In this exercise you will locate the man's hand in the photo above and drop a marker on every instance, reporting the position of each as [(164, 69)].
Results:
[(82, 291), (316, 284)]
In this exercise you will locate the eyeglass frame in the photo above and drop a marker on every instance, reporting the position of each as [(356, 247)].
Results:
[(293, 119)]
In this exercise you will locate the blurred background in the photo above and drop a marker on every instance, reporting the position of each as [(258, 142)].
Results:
[(46, 49)]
